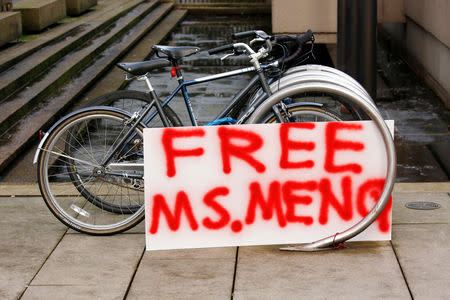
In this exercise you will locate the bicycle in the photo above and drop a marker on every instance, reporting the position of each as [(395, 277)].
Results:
[(95, 155)]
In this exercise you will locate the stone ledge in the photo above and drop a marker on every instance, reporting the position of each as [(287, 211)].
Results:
[(77, 7), (39, 14), (11, 27)]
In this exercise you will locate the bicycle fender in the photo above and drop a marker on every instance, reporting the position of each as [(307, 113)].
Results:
[(87, 109)]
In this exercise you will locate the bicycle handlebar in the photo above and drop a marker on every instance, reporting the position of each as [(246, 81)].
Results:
[(221, 49), (243, 35), (299, 40)]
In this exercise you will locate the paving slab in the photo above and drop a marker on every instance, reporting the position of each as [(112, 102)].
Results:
[(422, 187), (19, 189), (368, 270), (29, 233), (403, 215), (185, 274), (102, 267), (423, 251), (72, 293)]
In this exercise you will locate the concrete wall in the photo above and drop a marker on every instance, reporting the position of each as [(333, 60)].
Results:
[(38, 14), (77, 7), (428, 41), (11, 27), (321, 15)]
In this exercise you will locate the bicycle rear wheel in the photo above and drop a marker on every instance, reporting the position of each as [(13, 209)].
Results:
[(79, 191), (130, 101)]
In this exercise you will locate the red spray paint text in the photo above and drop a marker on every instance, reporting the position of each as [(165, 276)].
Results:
[(279, 200)]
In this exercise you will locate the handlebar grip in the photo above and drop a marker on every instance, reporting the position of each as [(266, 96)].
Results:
[(243, 35), (284, 39), (221, 49), (304, 38)]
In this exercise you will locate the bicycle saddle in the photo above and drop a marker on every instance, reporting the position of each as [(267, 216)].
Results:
[(142, 68), (176, 52)]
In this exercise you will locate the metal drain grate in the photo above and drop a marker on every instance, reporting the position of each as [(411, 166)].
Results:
[(422, 205)]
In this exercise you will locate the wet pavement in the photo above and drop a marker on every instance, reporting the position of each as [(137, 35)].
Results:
[(422, 122)]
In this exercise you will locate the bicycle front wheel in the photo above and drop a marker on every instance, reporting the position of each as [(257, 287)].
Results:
[(83, 191)]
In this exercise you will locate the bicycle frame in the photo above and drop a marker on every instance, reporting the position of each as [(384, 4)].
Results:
[(138, 118), (182, 86)]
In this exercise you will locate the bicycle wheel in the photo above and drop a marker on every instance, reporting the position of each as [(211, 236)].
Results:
[(131, 101), (90, 135), (297, 112)]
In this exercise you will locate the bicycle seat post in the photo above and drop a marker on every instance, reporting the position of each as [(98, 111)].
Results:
[(176, 72)]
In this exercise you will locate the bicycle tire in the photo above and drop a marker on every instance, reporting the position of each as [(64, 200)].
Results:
[(118, 99), (304, 113), (102, 129)]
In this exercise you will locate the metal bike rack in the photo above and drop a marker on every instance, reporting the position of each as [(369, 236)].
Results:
[(318, 73), (325, 70), (312, 77), (355, 98)]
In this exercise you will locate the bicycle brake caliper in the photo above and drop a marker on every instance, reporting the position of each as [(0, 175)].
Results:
[(287, 114), (133, 117)]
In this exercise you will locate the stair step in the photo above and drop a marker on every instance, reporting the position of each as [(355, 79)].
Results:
[(20, 51), (63, 69), (234, 8), (114, 79), (50, 108), (20, 74)]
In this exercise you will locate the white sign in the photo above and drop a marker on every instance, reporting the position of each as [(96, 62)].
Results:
[(259, 184)]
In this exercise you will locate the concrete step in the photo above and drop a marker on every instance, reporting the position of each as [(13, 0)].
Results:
[(80, 70), (114, 79), (40, 82), (17, 75), (224, 7), (64, 30)]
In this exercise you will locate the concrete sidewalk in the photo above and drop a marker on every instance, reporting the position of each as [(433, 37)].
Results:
[(41, 259)]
